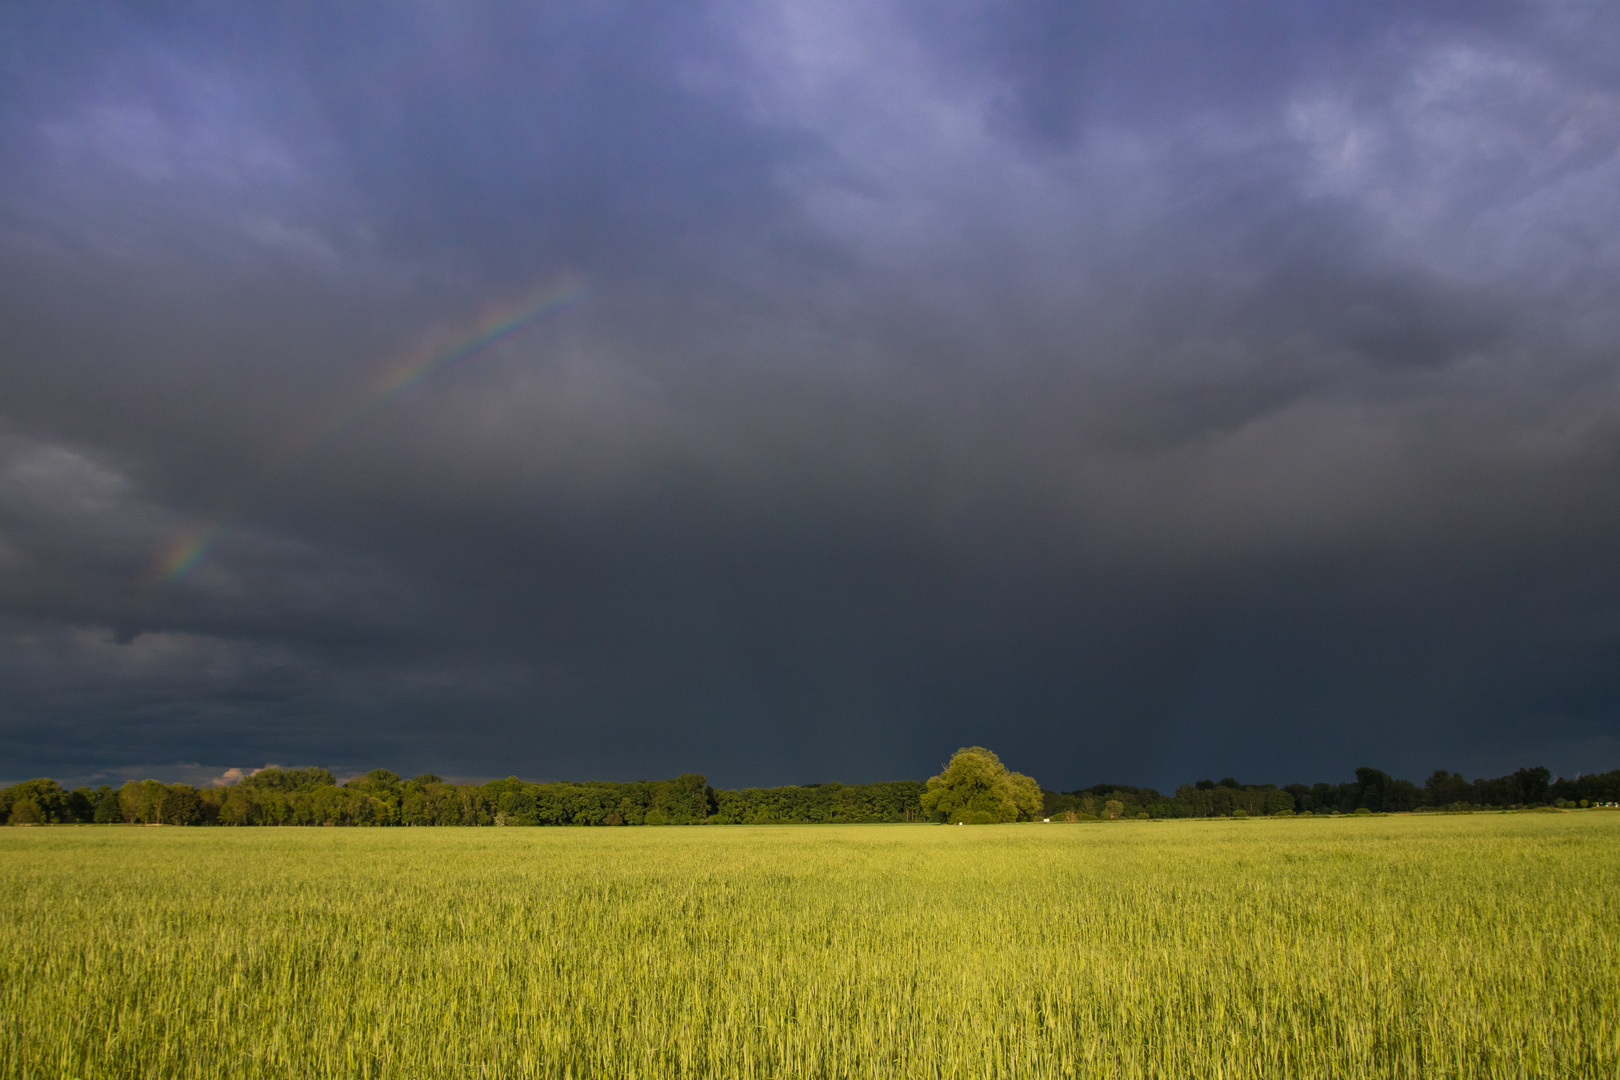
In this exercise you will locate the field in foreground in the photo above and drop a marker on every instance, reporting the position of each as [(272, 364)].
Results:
[(1481, 945)]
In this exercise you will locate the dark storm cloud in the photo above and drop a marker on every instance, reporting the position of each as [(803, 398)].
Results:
[(1068, 65), (1181, 389)]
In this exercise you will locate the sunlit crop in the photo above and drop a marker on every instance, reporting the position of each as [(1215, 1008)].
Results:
[(1469, 946)]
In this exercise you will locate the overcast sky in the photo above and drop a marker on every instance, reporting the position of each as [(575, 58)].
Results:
[(1146, 391)]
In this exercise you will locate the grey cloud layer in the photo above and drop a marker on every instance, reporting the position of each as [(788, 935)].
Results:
[(1180, 390)]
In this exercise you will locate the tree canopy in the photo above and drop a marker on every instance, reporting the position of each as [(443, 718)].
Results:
[(976, 788)]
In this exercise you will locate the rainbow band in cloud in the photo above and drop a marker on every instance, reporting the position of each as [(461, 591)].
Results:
[(187, 551), (492, 330)]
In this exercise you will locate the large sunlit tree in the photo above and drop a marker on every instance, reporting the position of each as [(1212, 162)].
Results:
[(978, 789)]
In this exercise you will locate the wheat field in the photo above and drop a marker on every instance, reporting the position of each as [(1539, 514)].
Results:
[(1467, 946)]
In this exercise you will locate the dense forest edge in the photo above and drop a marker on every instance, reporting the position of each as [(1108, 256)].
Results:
[(311, 796)]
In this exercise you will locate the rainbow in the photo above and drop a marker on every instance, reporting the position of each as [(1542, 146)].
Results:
[(491, 329), (188, 551), (185, 552)]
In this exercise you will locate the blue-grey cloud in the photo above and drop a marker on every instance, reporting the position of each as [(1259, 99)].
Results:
[(1144, 392)]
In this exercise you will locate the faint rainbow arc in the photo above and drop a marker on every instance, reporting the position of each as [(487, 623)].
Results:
[(189, 550), (494, 330)]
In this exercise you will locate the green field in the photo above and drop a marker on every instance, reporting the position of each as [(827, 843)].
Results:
[(1480, 945)]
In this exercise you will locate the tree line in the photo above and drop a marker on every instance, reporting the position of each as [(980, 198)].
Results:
[(313, 797), (974, 788), (1372, 791)]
